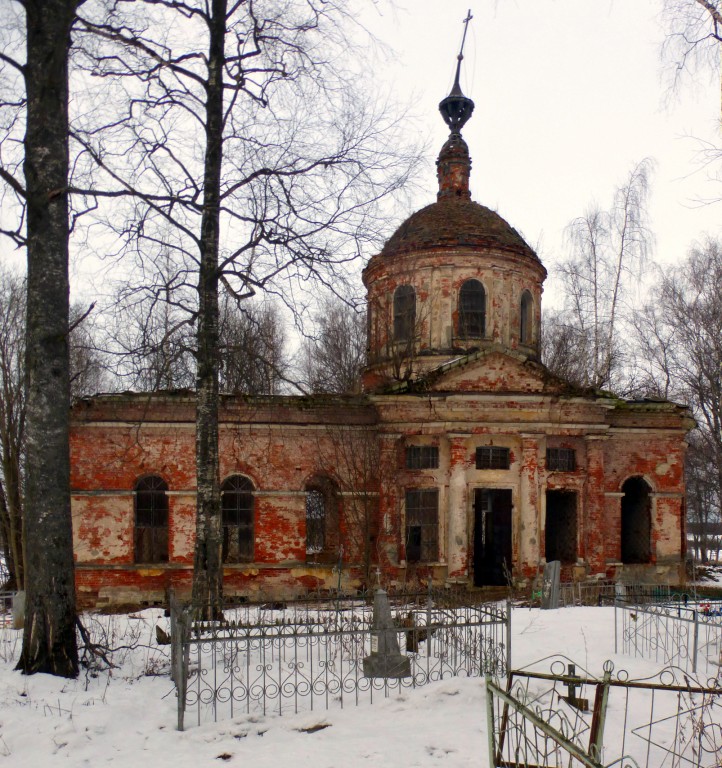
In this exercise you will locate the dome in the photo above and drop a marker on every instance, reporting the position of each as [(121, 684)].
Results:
[(454, 222)]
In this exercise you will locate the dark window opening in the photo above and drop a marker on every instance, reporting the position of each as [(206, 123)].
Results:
[(492, 457), (561, 460), (636, 521), (422, 457), (525, 318), (422, 526), (492, 536), (472, 310), (404, 313), (151, 520), (561, 527), (237, 509)]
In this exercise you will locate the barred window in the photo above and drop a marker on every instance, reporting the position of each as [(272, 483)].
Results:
[(151, 520), (422, 457), (472, 310), (404, 313), (237, 508), (315, 521), (322, 519), (422, 525), (561, 460), (492, 457)]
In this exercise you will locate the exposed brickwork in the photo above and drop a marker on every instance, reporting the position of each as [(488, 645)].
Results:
[(442, 389), (112, 452)]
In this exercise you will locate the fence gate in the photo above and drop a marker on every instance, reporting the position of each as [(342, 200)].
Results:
[(566, 717)]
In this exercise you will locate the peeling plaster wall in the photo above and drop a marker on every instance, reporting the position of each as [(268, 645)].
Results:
[(280, 443)]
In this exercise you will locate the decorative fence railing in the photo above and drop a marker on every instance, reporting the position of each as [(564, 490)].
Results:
[(597, 592), (555, 714), (687, 635), (309, 654)]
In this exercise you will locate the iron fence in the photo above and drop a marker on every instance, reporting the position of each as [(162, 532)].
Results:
[(607, 592), (555, 714), (309, 654), (685, 634)]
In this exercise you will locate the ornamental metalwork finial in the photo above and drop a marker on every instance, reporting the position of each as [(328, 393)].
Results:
[(456, 108)]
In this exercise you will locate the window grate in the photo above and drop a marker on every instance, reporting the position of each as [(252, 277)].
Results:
[(315, 521), (492, 457), (237, 509), (472, 310), (151, 520), (422, 457), (561, 460), (422, 525)]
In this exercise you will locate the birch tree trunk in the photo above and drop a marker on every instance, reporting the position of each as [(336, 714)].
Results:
[(49, 642), (207, 567)]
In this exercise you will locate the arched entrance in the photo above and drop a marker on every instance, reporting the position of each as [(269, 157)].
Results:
[(636, 521)]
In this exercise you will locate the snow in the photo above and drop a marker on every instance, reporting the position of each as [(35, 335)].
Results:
[(709, 575), (127, 716)]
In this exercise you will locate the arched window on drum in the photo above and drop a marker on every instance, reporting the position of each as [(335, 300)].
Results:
[(525, 319), (472, 310), (404, 313)]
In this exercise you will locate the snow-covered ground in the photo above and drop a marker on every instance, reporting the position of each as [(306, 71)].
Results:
[(126, 717), (709, 575)]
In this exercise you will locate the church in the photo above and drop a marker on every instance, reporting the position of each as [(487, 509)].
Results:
[(464, 460)]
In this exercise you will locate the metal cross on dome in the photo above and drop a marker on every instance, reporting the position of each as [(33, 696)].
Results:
[(456, 108)]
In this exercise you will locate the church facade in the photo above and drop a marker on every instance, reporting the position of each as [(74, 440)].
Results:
[(463, 461)]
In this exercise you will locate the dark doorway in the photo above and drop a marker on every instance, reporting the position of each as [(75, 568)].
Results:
[(636, 521), (492, 536), (560, 539)]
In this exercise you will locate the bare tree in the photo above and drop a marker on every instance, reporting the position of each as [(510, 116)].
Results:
[(240, 124), (355, 455), (49, 643), (87, 366), (251, 347), (609, 254), (564, 348), (682, 337), (332, 359), (86, 375), (12, 423), (148, 336), (692, 51), (704, 504), (693, 39)]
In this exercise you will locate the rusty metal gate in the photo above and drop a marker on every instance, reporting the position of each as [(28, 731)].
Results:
[(556, 714)]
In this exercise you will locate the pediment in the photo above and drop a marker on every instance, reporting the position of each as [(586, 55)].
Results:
[(494, 370)]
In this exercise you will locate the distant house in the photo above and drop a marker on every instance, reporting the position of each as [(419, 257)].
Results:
[(464, 460)]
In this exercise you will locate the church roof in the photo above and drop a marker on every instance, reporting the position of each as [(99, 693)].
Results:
[(453, 222)]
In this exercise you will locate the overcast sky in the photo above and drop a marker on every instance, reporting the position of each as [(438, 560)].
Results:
[(569, 96)]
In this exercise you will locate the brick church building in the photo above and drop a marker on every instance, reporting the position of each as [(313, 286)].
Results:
[(464, 460)]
